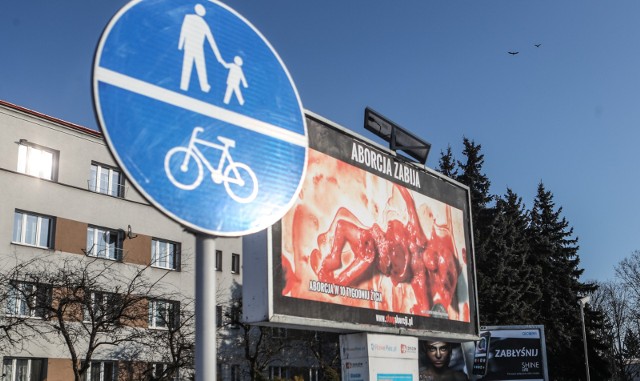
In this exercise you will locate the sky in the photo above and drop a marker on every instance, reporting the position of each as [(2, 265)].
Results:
[(565, 113)]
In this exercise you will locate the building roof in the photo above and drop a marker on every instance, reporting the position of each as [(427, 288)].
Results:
[(50, 118)]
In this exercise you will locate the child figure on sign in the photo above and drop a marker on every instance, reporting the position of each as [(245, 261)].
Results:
[(236, 76)]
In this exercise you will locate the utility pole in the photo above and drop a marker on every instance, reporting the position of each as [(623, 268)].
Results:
[(582, 302)]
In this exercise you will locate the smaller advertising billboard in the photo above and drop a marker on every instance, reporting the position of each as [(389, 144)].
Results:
[(377, 357), (510, 353)]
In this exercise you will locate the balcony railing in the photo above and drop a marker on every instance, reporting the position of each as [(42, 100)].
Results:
[(99, 251), (114, 190)]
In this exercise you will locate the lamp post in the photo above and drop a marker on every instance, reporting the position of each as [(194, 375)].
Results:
[(582, 302)]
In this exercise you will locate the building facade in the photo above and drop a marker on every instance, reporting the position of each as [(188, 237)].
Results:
[(67, 209)]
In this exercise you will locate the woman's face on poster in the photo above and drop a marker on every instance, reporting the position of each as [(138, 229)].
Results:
[(439, 353)]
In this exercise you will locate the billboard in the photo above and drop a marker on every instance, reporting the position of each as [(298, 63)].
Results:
[(510, 353), (373, 242)]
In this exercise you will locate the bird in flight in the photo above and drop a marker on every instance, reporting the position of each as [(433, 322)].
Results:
[(537, 45), (513, 53)]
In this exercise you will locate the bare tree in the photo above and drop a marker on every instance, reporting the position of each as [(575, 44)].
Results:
[(14, 328), (612, 300), (240, 343), (325, 347), (174, 346), (628, 271), (619, 302), (87, 303), (260, 347)]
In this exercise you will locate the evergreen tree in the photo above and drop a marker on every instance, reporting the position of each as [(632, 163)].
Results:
[(447, 164), (528, 270), (631, 346), (471, 175), (555, 253), (507, 294)]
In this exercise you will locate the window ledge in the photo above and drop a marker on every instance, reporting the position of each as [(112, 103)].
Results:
[(158, 328), (23, 317), (105, 258), (32, 246), (37, 177), (163, 268)]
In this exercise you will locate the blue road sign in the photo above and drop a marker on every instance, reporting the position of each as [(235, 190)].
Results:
[(201, 114)]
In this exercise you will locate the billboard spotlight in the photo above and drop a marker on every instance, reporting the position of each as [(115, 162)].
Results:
[(398, 138)]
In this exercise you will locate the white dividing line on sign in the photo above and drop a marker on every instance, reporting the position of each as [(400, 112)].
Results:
[(179, 100)]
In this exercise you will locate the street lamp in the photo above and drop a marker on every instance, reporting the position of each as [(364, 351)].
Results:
[(582, 301), (398, 137)]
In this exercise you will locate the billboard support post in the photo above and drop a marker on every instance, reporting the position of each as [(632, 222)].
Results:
[(206, 358)]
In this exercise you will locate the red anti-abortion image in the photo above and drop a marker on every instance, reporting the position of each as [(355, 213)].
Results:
[(356, 239)]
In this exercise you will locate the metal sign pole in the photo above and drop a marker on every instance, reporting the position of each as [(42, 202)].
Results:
[(133, 103), (206, 359)]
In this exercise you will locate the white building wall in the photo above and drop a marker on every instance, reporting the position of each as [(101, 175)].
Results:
[(70, 198)]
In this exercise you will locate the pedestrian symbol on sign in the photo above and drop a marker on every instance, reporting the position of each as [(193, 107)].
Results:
[(233, 81), (193, 34)]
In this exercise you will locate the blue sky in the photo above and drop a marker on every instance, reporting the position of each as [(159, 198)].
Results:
[(566, 113)]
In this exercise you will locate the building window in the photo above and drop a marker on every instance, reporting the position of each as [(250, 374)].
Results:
[(28, 300), (278, 372), (161, 371), (235, 372), (218, 316), (104, 243), (278, 333), (235, 264), (101, 307), (37, 161), (163, 314), (218, 260), (235, 314), (101, 371), (164, 254), (107, 180), (23, 369), (32, 229)]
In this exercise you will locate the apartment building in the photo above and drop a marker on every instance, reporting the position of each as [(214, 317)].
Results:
[(67, 209)]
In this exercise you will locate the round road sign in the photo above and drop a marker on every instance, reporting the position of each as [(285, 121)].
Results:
[(201, 114)]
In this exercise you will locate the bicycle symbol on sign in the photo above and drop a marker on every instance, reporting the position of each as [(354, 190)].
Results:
[(238, 178)]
